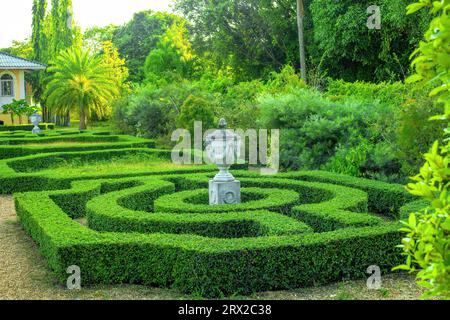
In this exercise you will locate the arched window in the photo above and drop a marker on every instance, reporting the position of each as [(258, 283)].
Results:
[(6, 85)]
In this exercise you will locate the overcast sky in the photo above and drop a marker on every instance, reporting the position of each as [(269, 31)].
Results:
[(15, 23)]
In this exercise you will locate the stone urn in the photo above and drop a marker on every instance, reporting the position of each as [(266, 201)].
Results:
[(222, 149)]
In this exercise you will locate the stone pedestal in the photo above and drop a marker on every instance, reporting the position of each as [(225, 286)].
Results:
[(224, 192), (36, 129)]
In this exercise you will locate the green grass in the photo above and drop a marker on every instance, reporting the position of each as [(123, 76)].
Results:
[(125, 164)]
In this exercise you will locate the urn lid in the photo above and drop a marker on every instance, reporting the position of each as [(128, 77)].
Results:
[(222, 133)]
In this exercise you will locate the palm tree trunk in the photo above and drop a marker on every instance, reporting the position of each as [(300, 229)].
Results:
[(83, 118), (301, 40)]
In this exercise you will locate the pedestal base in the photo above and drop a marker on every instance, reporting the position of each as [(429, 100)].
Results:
[(224, 192), (36, 130)]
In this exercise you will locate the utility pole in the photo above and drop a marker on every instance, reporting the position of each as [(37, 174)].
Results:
[(301, 39)]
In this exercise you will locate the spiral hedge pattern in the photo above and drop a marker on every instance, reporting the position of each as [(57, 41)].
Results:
[(156, 228)]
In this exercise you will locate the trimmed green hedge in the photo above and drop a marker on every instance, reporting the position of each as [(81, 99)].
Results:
[(129, 240), (384, 198), (20, 144), (127, 211), (155, 227), (27, 127)]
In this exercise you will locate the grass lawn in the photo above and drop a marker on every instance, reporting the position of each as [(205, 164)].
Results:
[(126, 164)]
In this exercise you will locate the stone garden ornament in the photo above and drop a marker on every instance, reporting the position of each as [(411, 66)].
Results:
[(35, 119), (223, 149)]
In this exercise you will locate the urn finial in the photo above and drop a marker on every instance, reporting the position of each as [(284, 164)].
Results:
[(222, 124)]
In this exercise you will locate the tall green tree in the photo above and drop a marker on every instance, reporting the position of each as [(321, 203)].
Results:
[(256, 37), (80, 81), (63, 35), (52, 32), (138, 37), (94, 37), (22, 49), (39, 41), (173, 58)]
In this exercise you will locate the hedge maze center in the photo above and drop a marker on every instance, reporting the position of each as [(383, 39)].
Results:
[(155, 226)]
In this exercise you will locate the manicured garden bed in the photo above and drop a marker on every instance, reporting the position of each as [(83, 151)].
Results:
[(155, 227)]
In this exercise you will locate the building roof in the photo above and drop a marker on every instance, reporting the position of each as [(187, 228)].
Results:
[(8, 61)]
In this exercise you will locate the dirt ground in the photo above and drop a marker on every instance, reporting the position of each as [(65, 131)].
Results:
[(24, 275)]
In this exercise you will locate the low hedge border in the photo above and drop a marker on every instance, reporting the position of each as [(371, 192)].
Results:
[(206, 266), (15, 151), (57, 138), (27, 127), (324, 207), (384, 198), (48, 160), (272, 199), (112, 212)]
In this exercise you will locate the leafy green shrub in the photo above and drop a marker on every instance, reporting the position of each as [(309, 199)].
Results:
[(195, 109), (345, 136), (394, 94), (407, 136), (415, 133)]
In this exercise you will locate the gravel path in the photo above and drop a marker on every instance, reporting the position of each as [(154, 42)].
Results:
[(25, 275)]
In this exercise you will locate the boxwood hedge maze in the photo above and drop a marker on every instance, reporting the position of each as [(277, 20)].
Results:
[(156, 228)]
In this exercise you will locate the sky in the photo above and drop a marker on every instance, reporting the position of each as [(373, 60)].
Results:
[(16, 24)]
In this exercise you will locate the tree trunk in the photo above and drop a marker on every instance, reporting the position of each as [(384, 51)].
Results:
[(83, 119), (67, 119), (301, 40)]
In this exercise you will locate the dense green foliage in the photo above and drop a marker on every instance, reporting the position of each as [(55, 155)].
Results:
[(427, 240), (256, 37), (360, 129), (347, 49), (138, 37)]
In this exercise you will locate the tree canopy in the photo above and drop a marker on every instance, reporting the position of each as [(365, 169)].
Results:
[(138, 37)]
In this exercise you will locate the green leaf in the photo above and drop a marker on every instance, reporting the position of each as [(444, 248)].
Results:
[(412, 220), (446, 224), (414, 7), (414, 78)]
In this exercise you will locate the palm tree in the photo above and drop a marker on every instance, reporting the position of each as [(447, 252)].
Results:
[(79, 80)]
